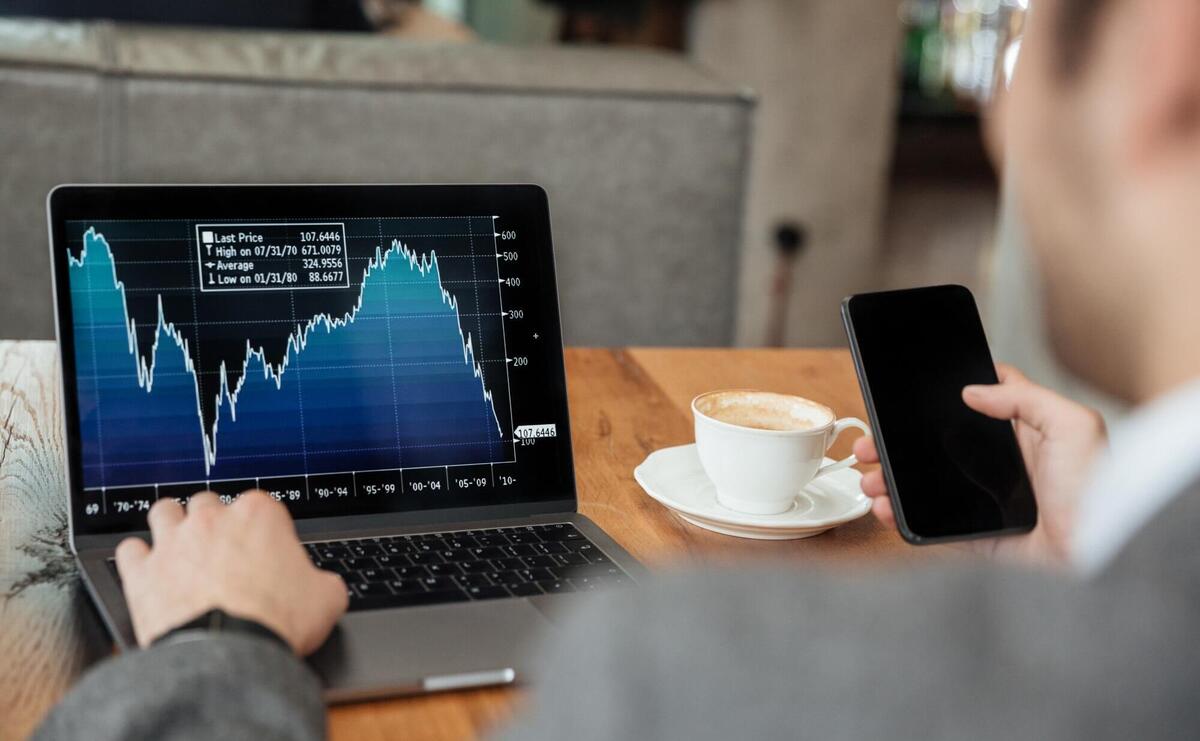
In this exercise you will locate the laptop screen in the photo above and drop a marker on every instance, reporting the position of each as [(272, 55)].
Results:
[(348, 349)]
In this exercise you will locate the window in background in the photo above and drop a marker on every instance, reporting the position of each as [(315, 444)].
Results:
[(656, 23), (513, 21), (952, 48), (413, 19), (943, 194), (453, 9)]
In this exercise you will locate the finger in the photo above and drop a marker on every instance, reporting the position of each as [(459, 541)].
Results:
[(257, 503), (882, 509), (864, 449), (332, 600), (256, 496), (202, 502), (1016, 399), (130, 554), (163, 516), (873, 485), (339, 597), (268, 514)]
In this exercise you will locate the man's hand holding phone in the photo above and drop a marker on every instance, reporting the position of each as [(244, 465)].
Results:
[(1058, 438)]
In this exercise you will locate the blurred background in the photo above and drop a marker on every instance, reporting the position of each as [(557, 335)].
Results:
[(720, 171)]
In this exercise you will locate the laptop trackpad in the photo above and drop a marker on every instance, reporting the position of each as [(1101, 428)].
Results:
[(378, 653)]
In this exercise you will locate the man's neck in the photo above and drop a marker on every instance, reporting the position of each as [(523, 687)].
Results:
[(1169, 348)]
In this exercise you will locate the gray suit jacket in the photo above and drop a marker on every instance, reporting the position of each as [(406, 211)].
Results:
[(967, 652)]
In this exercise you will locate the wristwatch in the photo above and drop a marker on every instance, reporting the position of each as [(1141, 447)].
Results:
[(218, 621)]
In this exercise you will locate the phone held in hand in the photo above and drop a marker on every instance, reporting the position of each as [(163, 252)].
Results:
[(952, 473)]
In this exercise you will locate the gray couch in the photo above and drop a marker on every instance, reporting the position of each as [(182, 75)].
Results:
[(643, 154)]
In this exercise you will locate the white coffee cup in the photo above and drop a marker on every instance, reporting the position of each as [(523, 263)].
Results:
[(760, 449)]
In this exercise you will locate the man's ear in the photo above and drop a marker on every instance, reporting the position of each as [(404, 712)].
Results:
[(1166, 72)]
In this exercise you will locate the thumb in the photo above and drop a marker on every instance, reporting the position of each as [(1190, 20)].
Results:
[(1015, 399)]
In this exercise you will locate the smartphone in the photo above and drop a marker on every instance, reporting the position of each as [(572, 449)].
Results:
[(952, 472)]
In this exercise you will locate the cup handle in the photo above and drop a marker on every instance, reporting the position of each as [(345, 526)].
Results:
[(838, 428)]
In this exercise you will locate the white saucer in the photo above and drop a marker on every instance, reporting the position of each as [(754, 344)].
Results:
[(675, 478)]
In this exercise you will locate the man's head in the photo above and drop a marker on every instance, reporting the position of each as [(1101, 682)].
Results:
[(1103, 132)]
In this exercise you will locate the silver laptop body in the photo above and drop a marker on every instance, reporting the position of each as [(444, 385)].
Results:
[(330, 295)]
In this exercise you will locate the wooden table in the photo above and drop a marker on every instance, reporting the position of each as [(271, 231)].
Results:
[(625, 403)]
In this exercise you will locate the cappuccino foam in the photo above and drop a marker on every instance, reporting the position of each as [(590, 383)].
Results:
[(763, 410)]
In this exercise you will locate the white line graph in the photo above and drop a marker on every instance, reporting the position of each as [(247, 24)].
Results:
[(420, 264)]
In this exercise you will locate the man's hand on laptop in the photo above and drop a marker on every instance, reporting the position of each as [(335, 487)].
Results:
[(1059, 440), (243, 558)]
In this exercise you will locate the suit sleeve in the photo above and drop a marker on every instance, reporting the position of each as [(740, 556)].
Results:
[(218, 686), (964, 653)]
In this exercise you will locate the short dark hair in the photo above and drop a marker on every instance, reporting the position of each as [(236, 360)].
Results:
[(1077, 21)]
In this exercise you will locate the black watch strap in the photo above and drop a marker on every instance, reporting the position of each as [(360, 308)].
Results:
[(219, 621)]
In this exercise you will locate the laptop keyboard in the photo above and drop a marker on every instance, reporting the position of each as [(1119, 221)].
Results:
[(464, 565)]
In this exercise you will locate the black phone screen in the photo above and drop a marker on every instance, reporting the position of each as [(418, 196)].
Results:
[(953, 473)]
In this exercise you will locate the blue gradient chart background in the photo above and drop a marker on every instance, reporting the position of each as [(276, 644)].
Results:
[(396, 382)]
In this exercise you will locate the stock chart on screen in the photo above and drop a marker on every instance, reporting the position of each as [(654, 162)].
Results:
[(324, 360)]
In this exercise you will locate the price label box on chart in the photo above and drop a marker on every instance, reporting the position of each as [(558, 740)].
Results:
[(272, 256)]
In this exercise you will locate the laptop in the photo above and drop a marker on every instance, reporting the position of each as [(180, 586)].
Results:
[(386, 360)]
